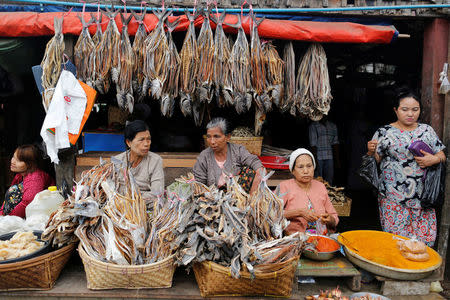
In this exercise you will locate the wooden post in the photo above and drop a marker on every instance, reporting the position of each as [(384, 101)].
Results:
[(445, 214)]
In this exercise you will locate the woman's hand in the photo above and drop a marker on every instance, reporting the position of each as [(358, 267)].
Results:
[(372, 147), (308, 215), (328, 220), (427, 160)]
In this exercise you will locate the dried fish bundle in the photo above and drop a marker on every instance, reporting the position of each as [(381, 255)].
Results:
[(124, 85), (156, 58), (107, 55), (240, 70), (60, 227), (289, 99), (258, 68), (205, 54), (96, 38), (189, 60), (221, 64), (51, 63), (82, 51), (274, 72), (170, 88), (266, 219), (313, 84), (139, 54)]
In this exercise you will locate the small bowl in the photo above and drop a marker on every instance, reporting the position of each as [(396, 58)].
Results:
[(45, 248), (322, 256)]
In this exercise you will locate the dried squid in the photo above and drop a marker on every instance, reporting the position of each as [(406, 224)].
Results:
[(288, 103), (274, 72), (313, 84), (205, 54), (96, 38), (51, 63), (107, 55), (189, 60), (222, 67), (240, 70), (82, 50), (124, 84), (170, 89), (156, 59), (139, 54)]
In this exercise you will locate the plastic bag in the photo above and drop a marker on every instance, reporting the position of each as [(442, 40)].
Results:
[(35, 222), (44, 203), (433, 186), (10, 223), (368, 171)]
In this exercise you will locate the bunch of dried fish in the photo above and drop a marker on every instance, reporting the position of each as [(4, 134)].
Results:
[(170, 88), (269, 150), (107, 55), (266, 219), (336, 194), (61, 225), (139, 53), (189, 60), (258, 68), (313, 84), (242, 132), (240, 70), (124, 85), (222, 67), (289, 99), (96, 38), (205, 54), (82, 51), (274, 72), (51, 63), (156, 58)]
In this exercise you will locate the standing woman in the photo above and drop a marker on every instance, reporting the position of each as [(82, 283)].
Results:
[(401, 175), (146, 167), (28, 181)]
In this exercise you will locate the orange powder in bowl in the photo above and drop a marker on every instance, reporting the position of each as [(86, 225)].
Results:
[(324, 244)]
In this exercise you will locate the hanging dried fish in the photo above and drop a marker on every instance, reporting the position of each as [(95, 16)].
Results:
[(205, 54), (156, 59), (289, 80), (274, 72), (124, 84), (139, 54), (240, 70), (82, 50), (51, 63), (96, 40), (170, 89), (189, 60), (313, 84), (107, 55), (221, 61), (258, 68)]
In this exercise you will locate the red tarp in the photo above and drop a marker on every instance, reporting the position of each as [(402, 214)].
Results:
[(21, 24)]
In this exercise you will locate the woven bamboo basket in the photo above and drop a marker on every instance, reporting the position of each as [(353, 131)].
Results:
[(103, 276), (215, 280), (343, 208), (252, 144), (37, 273)]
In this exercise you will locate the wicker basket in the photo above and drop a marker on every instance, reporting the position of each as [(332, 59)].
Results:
[(37, 273), (103, 276), (215, 280), (252, 144), (343, 208)]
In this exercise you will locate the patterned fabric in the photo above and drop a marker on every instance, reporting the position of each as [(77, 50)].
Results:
[(401, 182), (13, 196), (246, 177), (323, 136), (311, 226)]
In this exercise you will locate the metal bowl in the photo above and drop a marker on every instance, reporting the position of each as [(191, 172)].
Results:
[(321, 255)]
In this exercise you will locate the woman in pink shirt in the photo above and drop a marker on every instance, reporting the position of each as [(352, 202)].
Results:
[(306, 200), (29, 181)]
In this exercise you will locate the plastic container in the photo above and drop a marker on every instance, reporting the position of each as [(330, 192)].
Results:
[(44, 203)]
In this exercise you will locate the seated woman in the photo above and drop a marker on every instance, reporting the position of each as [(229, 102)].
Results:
[(305, 199), (146, 167), (28, 181), (222, 159)]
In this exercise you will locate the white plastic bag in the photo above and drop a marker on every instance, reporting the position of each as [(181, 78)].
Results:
[(11, 223), (443, 79), (44, 203), (64, 114), (35, 222)]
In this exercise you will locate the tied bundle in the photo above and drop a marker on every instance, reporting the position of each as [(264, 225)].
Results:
[(205, 54), (139, 54), (82, 51), (96, 38), (274, 73), (289, 99)]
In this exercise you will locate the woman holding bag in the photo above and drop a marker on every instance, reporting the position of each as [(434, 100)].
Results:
[(401, 184)]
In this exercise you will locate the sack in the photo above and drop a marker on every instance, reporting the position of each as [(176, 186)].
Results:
[(368, 171), (433, 186)]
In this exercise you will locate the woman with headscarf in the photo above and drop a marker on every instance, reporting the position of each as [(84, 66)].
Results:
[(306, 200), (146, 167), (222, 159)]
